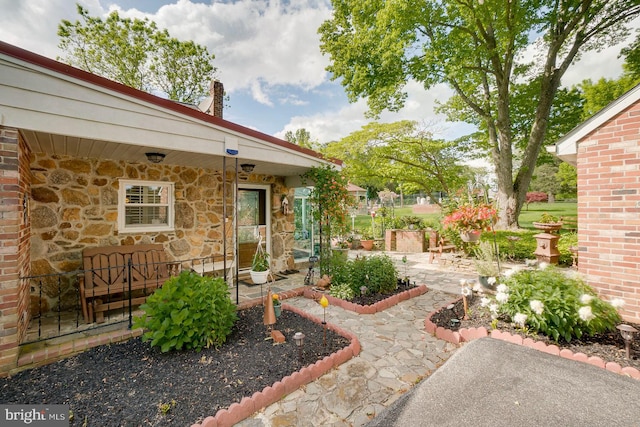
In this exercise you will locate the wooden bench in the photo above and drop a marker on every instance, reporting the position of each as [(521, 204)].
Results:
[(215, 266), (104, 284), (439, 249)]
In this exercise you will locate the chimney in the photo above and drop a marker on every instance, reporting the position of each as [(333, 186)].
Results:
[(216, 89)]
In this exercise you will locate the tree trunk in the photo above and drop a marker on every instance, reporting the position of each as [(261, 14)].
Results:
[(508, 211)]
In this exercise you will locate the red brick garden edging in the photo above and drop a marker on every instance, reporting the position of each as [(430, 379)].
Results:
[(367, 309), (469, 334)]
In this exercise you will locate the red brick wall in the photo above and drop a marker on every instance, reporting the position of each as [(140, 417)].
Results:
[(24, 245), (609, 210), (14, 248)]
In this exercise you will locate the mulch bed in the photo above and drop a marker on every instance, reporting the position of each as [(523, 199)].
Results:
[(609, 347), (370, 299), (132, 384)]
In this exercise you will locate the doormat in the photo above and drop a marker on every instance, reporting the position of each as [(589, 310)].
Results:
[(247, 280)]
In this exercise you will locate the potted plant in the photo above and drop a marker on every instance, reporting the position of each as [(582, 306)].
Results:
[(548, 222), (367, 239), (260, 266), (470, 220), (277, 306), (486, 263)]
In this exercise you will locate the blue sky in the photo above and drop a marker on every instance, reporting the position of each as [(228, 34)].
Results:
[(267, 55)]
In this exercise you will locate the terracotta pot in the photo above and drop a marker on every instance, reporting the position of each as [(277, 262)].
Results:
[(548, 226), (367, 245), (470, 236)]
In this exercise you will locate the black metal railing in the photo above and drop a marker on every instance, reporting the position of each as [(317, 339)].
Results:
[(58, 309)]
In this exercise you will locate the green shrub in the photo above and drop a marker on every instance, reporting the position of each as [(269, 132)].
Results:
[(188, 312), (565, 307), (338, 268), (357, 273), (342, 291), (567, 240), (518, 250), (382, 276), (377, 272)]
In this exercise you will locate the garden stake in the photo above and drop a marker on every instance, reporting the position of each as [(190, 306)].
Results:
[(466, 307), (269, 312)]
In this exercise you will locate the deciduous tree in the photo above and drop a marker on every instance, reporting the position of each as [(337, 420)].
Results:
[(476, 47), (403, 153), (301, 137), (136, 53)]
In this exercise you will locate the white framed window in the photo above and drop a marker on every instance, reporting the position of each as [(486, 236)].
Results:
[(145, 206)]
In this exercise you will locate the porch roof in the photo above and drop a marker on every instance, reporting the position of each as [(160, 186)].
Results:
[(60, 109), (567, 147)]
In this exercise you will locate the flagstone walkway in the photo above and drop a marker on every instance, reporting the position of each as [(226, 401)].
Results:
[(396, 354)]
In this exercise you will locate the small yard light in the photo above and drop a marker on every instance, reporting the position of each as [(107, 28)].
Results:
[(627, 332), (298, 338), (454, 323), (363, 290)]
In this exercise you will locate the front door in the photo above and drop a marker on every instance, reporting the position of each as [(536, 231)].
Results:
[(252, 223)]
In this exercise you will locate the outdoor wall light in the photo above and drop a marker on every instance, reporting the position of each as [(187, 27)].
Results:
[(627, 332), (155, 157), (298, 338), (247, 167)]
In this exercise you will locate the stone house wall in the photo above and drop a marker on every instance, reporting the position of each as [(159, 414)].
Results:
[(75, 205), (609, 209)]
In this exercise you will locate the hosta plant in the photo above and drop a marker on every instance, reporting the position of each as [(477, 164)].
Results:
[(188, 312)]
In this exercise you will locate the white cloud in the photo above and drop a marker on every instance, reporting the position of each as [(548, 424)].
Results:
[(266, 41), (292, 99), (269, 41), (259, 94), (596, 64), (33, 25), (334, 124)]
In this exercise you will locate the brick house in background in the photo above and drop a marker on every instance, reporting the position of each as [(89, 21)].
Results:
[(74, 153), (606, 151)]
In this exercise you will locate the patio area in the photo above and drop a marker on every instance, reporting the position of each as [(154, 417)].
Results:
[(397, 354)]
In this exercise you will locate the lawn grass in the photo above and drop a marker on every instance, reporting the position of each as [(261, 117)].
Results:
[(528, 215), (535, 210)]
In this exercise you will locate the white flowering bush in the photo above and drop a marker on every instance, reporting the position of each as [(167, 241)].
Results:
[(549, 302)]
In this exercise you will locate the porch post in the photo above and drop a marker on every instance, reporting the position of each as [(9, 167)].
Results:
[(14, 245)]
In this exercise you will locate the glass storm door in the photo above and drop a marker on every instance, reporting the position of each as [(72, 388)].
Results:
[(252, 224)]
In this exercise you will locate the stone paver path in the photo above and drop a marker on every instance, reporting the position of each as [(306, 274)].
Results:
[(396, 354)]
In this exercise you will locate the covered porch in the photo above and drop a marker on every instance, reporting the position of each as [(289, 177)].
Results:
[(89, 162)]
